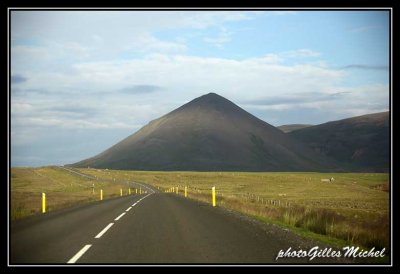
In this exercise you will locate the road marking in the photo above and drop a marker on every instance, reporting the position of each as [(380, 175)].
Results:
[(104, 230), (144, 186), (120, 216), (146, 196), (86, 247), (140, 200), (79, 254)]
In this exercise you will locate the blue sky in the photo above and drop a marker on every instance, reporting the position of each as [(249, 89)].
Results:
[(83, 80)]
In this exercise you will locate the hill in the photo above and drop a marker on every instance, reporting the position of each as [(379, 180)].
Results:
[(292, 127), (210, 133), (359, 143)]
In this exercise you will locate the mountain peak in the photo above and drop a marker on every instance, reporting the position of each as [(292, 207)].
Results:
[(211, 101), (211, 97), (208, 133)]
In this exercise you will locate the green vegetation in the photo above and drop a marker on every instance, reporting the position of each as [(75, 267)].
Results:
[(354, 209), (62, 189)]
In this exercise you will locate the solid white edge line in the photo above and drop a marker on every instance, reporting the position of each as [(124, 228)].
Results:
[(120, 216), (129, 208), (104, 230), (79, 254)]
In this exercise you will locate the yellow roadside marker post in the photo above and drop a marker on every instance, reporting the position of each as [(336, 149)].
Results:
[(140, 190), (120, 192), (101, 195), (177, 190), (136, 190), (214, 202), (185, 191), (43, 202)]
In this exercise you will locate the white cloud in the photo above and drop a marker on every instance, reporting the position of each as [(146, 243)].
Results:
[(91, 97), (24, 57), (231, 76), (181, 78), (301, 53), (348, 102), (72, 71), (76, 49), (271, 58), (148, 43), (224, 36), (202, 20), (279, 107)]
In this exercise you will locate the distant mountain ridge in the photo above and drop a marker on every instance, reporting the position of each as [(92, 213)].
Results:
[(210, 133), (292, 127), (359, 144)]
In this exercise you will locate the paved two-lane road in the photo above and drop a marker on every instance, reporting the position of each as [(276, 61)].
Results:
[(145, 229)]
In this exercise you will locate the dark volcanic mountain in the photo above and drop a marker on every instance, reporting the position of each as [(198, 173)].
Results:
[(359, 144), (206, 134), (292, 127)]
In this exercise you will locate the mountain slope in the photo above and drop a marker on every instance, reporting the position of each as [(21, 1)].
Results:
[(292, 127), (359, 143), (209, 133)]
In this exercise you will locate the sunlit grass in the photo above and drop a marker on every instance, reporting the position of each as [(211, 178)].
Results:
[(62, 189), (354, 208)]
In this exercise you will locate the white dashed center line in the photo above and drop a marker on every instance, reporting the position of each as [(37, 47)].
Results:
[(79, 254), (104, 230), (120, 216), (86, 247)]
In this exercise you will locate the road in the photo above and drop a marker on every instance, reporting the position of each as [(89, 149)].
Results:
[(152, 228), (76, 173)]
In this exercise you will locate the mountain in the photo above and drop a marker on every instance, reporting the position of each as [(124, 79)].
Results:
[(289, 128), (359, 143), (210, 133)]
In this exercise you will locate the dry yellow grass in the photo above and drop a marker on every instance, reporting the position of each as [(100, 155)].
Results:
[(62, 189), (354, 208)]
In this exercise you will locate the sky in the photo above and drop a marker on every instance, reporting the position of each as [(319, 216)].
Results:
[(82, 81)]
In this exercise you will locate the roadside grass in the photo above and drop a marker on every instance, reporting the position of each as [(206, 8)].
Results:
[(354, 209), (62, 188)]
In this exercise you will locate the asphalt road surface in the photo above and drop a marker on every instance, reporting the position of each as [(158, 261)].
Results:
[(152, 228)]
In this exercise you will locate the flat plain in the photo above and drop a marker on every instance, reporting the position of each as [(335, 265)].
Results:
[(352, 209)]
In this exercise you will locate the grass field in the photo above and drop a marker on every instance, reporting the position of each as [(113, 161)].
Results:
[(62, 189), (354, 209)]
